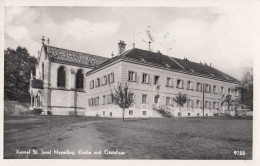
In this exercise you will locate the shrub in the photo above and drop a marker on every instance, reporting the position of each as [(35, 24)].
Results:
[(36, 111)]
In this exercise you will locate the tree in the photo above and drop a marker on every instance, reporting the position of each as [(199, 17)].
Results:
[(227, 99), (122, 97), (17, 68), (180, 99), (245, 89)]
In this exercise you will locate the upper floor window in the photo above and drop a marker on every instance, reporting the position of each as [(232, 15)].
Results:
[(131, 96), (179, 83), (222, 90), (131, 76), (91, 84), (214, 89), (169, 82), (111, 77), (207, 88), (156, 80), (61, 77), (104, 80), (198, 87), (98, 82), (190, 85), (79, 79), (145, 78)]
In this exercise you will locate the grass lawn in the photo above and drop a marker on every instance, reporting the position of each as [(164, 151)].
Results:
[(185, 138), (166, 138)]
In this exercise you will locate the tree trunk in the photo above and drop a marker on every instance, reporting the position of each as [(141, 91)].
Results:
[(123, 115)]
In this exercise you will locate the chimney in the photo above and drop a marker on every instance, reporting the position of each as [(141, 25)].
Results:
[(121, 47)]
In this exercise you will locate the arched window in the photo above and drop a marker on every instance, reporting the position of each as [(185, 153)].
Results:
[(61, 77), (79, 79)]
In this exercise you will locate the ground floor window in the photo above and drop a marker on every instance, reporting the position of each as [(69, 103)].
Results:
[(198, 114), (188, 114), (103, 112), (144, 113), (179, 114), (110, 113)]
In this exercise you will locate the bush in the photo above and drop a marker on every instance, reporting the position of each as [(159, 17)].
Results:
[(36, 111)]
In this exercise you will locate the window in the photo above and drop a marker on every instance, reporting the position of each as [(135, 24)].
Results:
[(229, 91), (131, 76), (172, 103), (179, 114), (145, 78), (90, 102), (131, 96), (144, 98), (209, 105), (130, 112), (144, 113), (156, 99), (91, 84), (104, 99), (188, 114), (207, 88), (192, 104), (198, 87), (222, 90), (110, 99), (79, 79), (198, 114), (156, 80), (97, 101), (104, 113), (198, 104), (188, 103), (214, 105), (110, 113), (214, 89), (104, 80), (61, 77), (168, 100), (206, 104), (179, 83), (169, 82), (42, 71), (189, 85), (98, 82), (111, 77)]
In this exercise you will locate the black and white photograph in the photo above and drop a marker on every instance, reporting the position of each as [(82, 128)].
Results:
[(129, 82)]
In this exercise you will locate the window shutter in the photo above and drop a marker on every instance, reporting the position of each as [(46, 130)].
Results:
[(108, 78), (209, 88), (172, 82), (112, 77), (136, 78), (149, 79), (102, 81)]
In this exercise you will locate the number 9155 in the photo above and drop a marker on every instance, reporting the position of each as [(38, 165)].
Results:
[(239, 153)]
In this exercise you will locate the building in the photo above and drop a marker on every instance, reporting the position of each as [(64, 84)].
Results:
[(68, 82)]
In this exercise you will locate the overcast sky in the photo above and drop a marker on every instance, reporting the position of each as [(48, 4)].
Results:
[(221, 36)]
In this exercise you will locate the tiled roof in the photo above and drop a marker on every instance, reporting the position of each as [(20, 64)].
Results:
[(74, 58), (171, 63)]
